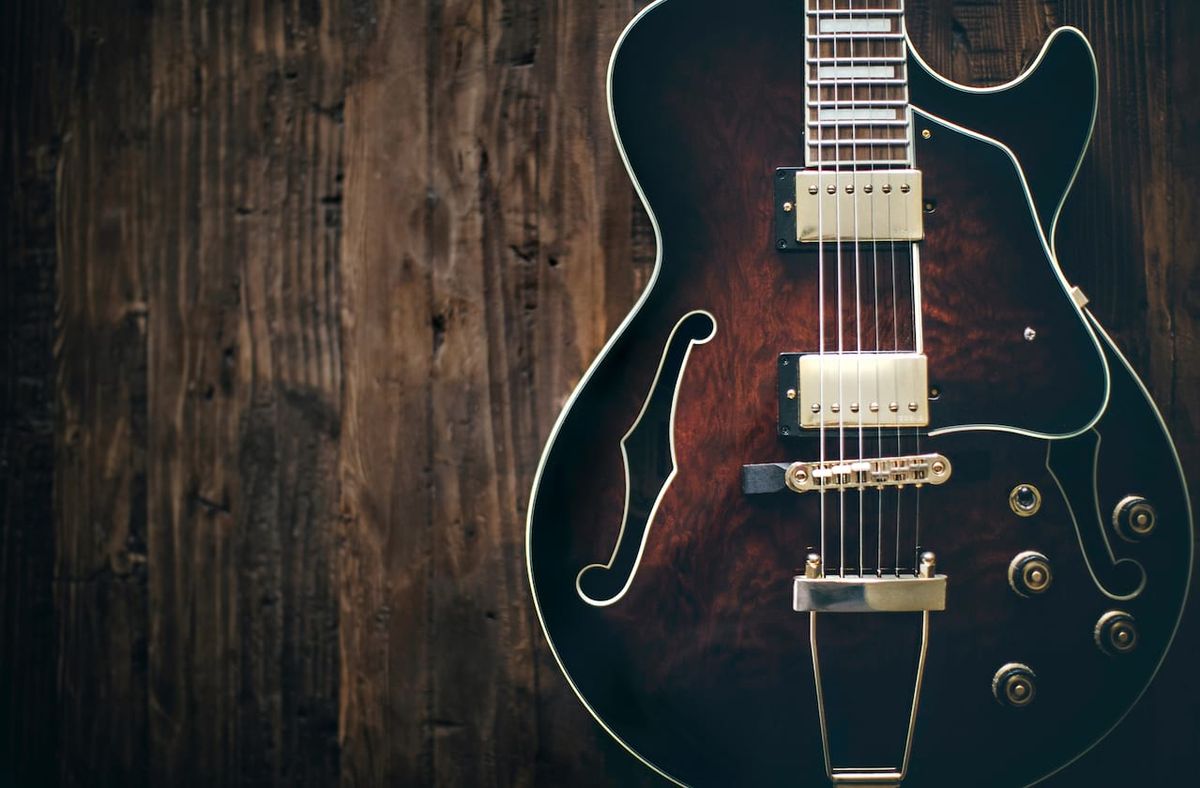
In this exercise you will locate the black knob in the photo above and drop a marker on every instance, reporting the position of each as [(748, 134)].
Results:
[(1013, 685), (1116, 633), (1029, 573), (1134, 518)]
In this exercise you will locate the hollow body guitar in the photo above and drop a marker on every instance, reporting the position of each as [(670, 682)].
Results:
[(860, 492)]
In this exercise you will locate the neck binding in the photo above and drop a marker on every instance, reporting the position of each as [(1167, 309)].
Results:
[(856, 85)]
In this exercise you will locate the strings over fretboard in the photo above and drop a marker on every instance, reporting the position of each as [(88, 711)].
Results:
[(856, 84)]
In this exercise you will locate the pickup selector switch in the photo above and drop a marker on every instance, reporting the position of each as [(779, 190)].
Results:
[(1029, 573), (1025, 500), (1133, 518), (1116, 633), (1013, 685)]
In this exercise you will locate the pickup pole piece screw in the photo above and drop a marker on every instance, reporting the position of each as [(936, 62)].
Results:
[(904, 187), (831, 188), (849, 188), (893, 406), (812, 189), (887, 188)]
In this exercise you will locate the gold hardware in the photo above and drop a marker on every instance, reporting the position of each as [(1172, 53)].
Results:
[(812, 566), (1029, 573), (890, 377), (868, 593), (791, 393), (928, 565), (875, 472), (1116, 633), (1029, 334), (854, 211), (1025, 500), (787, 207), (926, 134), (1133, 518), (1078, 297), (1013, 685)]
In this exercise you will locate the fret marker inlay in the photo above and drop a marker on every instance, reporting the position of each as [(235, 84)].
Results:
[(855, 26), (856, 72)]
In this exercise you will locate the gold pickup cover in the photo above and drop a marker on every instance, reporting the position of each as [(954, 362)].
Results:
[(859, 205), (862, 389)]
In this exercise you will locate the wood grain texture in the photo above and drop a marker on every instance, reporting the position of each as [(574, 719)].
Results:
[(292, 294)]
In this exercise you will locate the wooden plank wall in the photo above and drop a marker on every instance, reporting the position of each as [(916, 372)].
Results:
[(291, 295)]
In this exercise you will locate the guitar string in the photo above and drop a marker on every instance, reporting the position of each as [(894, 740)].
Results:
[(890, 200), (841, 351), (813, 22), (857, 290), (878, 349), (914, 262)]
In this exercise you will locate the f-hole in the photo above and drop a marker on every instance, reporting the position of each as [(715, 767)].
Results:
[(648, 451)]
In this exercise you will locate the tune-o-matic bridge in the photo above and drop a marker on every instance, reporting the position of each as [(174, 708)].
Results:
[(850, 474), (914, 469)]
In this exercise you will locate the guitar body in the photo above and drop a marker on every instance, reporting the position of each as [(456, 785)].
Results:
[(665, 590)]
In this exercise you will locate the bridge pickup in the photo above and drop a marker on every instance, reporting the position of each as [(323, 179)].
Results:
[(846, 206), (852, 390)]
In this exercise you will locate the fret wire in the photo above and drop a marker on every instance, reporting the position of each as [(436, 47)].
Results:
[(873, 141), (847, 36), (826, 60), (853, 102), (877, 122), (854, 11), (837, 82)]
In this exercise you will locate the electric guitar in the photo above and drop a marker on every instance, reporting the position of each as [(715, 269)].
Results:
[(859, 492)]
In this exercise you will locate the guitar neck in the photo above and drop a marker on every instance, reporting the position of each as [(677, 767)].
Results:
[(857, 84)]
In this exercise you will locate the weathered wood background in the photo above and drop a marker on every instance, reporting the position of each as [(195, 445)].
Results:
[(291, 294)]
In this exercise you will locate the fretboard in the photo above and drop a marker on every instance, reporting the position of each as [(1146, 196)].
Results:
[(857, 84)]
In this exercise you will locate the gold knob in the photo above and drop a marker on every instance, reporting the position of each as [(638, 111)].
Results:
[(1116, 633), (1134, 518), (1029, 573), (1013, 685)]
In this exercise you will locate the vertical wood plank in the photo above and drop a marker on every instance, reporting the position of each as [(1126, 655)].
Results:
[(391, 335), (101, 405), (245, 410)]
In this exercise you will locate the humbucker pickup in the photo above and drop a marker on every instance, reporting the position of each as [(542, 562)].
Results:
[(847, 206), (852, 390)]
